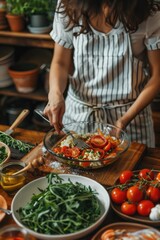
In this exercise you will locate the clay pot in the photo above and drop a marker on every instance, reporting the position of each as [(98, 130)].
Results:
[(25, 76), (16, 22)]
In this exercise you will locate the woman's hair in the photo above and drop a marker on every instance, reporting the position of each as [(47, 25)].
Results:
[(130, 12)]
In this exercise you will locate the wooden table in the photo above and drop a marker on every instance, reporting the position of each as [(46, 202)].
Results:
[(150, 159)]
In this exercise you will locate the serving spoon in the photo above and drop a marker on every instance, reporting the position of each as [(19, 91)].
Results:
[(7, 211)]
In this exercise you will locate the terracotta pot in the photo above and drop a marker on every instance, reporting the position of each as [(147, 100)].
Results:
[(16, 23), (25, 76)]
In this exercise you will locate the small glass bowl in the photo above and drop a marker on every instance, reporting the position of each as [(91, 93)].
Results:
[(11, 183), (52, 140), (13, 232)]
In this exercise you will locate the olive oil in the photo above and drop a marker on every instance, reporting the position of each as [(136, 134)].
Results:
[(9, 182)]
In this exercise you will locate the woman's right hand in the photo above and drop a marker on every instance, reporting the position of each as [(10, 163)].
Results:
[(54, 110)]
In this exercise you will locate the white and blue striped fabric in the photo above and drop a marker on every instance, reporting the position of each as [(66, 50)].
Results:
[(108, 76)]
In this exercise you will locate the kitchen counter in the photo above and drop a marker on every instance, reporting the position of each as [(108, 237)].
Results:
[(150, 159)]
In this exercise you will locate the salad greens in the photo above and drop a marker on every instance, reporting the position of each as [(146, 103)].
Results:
[(61, 208), (14, 143), (3, 154)]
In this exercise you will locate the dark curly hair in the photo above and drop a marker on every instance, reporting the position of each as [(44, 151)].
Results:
[(130, 12)]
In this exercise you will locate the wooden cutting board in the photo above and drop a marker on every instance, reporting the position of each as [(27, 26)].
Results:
[(107, 176)]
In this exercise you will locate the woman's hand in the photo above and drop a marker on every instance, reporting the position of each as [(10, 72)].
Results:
[(54, 110), (120, 124)]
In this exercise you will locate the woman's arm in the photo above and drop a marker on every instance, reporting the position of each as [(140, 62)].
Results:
[(148, 93), (58, 78)]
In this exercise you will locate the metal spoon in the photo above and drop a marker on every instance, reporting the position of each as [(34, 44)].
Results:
[(7, 211), (40, 113)]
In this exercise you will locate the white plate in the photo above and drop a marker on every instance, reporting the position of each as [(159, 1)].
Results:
[(23, 196)]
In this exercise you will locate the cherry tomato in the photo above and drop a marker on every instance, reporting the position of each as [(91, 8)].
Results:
[(125, 176), (128, 208), (118, 196), (153, 194), (144, 207), (134, 194), (107, 147), (147, 174), (158, 177), (98, 141)]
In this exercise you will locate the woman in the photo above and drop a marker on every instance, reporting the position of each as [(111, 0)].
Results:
[(114, 46)]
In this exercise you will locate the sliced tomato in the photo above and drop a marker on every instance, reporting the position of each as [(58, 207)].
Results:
[(98, 141), (107, 147), (84, 164), (110, 155), (68, 152), (72, 152), (75, 152), (57, 149), (63, 149), (100, 151)]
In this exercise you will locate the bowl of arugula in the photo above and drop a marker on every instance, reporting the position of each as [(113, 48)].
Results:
[(60, 206), (5, 153)]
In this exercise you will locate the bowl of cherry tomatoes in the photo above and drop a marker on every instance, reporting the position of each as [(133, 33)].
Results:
[(105, 144), (136, 194)]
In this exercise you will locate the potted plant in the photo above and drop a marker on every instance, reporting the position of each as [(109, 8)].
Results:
[(15, 14), (39, 12)]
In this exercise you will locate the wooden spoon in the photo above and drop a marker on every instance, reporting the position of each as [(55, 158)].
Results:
[(33, 164), (17, 121)]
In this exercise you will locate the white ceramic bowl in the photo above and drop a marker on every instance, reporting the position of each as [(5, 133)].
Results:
[(8, 152), (23, 196)]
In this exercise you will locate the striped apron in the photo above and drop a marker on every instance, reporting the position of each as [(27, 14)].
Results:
[(106, 81)]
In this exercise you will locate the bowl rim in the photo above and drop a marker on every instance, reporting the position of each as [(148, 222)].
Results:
[(8, 152), (90, 161)]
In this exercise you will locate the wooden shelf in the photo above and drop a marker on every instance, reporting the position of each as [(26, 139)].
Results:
[(38, 94), (26, 39)]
